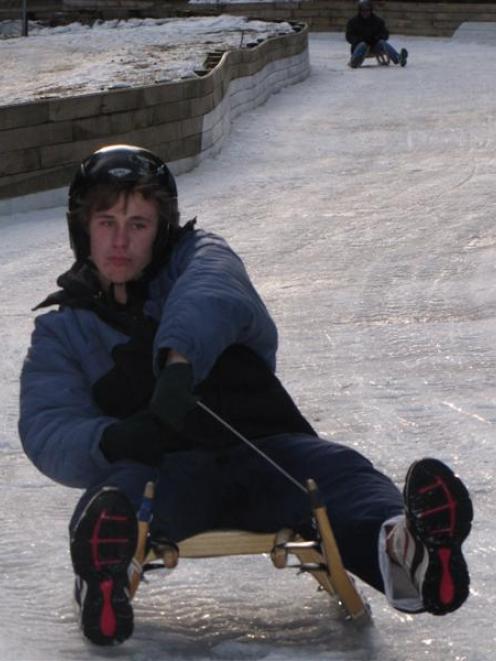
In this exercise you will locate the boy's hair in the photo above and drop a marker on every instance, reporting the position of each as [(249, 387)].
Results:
[(104, 196)]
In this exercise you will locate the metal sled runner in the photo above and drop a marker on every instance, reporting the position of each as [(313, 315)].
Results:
[(320, 557)]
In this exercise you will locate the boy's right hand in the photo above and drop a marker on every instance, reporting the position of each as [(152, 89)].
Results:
[(173, 397)]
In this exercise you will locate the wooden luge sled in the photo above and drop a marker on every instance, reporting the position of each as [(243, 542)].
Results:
[(382, 58), (320, 557)]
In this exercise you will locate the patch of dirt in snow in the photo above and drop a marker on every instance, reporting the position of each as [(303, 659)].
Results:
[(78, 59)]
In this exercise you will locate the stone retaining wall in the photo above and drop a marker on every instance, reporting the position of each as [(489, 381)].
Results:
[(429, 19), (423, 17), (42, 142)]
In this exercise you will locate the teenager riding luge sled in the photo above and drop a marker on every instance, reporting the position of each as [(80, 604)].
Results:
[(368, 35), (153, 317)]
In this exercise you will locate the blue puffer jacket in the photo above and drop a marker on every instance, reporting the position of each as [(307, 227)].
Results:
[(203, 302)]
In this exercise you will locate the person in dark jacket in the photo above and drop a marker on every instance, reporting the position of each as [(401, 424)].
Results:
[(368, 35), (154, 319)]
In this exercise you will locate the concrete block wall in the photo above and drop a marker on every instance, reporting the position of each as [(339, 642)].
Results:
[(246, 94), (435, 19), (422, 17), (42, 142)]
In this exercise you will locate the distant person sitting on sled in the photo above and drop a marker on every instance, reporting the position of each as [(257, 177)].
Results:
[(154, 319), (368, 35)]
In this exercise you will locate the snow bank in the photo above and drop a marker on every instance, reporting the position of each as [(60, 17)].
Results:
[(79, 59)]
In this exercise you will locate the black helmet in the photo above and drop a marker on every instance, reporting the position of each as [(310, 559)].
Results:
[(121, 167), (365, 4)]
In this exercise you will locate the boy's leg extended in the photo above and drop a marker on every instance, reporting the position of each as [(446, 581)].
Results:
[(395, 57), (385, 47), (188, 496), (129, 478), (103, 533), (406, 545), (358, 55), (103, 537), (424, 568), (357, 496), (187, 492)]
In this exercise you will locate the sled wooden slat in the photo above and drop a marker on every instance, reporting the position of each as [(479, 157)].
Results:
[(341, 581), (144, 516), (217, 543)]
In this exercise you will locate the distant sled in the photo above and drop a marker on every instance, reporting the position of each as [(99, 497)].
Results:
[(382, 59)]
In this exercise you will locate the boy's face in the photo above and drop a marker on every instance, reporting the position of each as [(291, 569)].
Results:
[(121, 238)]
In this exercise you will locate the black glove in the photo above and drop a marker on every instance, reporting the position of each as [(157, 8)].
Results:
[(141, 437), (173, 397)]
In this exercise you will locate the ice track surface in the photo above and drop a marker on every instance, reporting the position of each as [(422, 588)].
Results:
[(363, 204)]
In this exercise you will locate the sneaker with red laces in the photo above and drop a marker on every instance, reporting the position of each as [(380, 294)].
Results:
[(428, 541), (103, 544)]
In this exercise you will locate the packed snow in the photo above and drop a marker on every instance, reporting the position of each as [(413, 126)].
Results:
[(79, 59), (362, 204)]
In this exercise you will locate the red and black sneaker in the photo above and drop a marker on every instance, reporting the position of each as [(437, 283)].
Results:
[(103, 544), (439, 515)]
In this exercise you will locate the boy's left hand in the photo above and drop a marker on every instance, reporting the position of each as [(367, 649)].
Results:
[(173, 397)]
